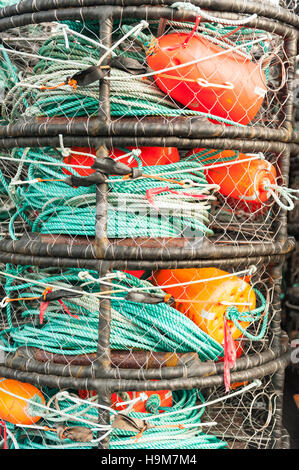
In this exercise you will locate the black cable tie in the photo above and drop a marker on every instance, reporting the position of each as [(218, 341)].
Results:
[(88, 76), (148, 298), (59, 295), (86, 181), (111, 167)]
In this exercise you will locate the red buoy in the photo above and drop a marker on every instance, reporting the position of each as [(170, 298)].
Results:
[(223, 83)]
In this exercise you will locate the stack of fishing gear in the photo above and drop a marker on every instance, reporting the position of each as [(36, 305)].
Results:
[(290, 299), (144, 184)]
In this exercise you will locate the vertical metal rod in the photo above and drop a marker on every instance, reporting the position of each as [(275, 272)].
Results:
[(101, 239), (286, 94), (278, 378)]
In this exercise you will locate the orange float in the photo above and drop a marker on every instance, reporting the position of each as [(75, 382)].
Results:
[(149, 156), (17, 410), (245, 181), (204, 302), (225, 84)]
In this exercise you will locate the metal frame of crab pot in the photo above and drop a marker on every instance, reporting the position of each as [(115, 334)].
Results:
[(41, 368), (183, 250), (181, 127), (102, 133)]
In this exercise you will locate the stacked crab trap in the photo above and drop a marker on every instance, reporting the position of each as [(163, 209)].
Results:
[(144, 162)]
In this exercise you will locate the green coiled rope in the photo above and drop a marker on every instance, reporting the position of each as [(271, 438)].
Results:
[(165, 434), (68, 210), (150, 327)]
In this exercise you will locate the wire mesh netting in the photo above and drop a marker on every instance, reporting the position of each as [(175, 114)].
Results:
[(174, 311), (203, 196), (230, 74), (67, 419)]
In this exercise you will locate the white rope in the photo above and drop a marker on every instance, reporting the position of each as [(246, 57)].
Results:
[(72, 32), (254, 384), (185, 64), (213, 19), (41, 162), (64, 394), (10, 434), (44, 284), (286, 193), (41, 57), (250, 271), (134, 31), (58, 412)]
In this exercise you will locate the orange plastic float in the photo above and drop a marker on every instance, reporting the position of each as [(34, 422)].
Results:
[(246, 181), (16, 410), (149, 156), (204, 302), (227, 85)]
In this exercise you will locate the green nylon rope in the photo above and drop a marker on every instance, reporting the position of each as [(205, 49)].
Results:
[(166, 434), (133, 98), (149, 327), (64, 209)]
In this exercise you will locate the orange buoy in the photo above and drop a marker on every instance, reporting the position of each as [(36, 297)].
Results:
[(227, 85), (16, 410), (205, 302), (245, 181), (161, 398), (149, 156)]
